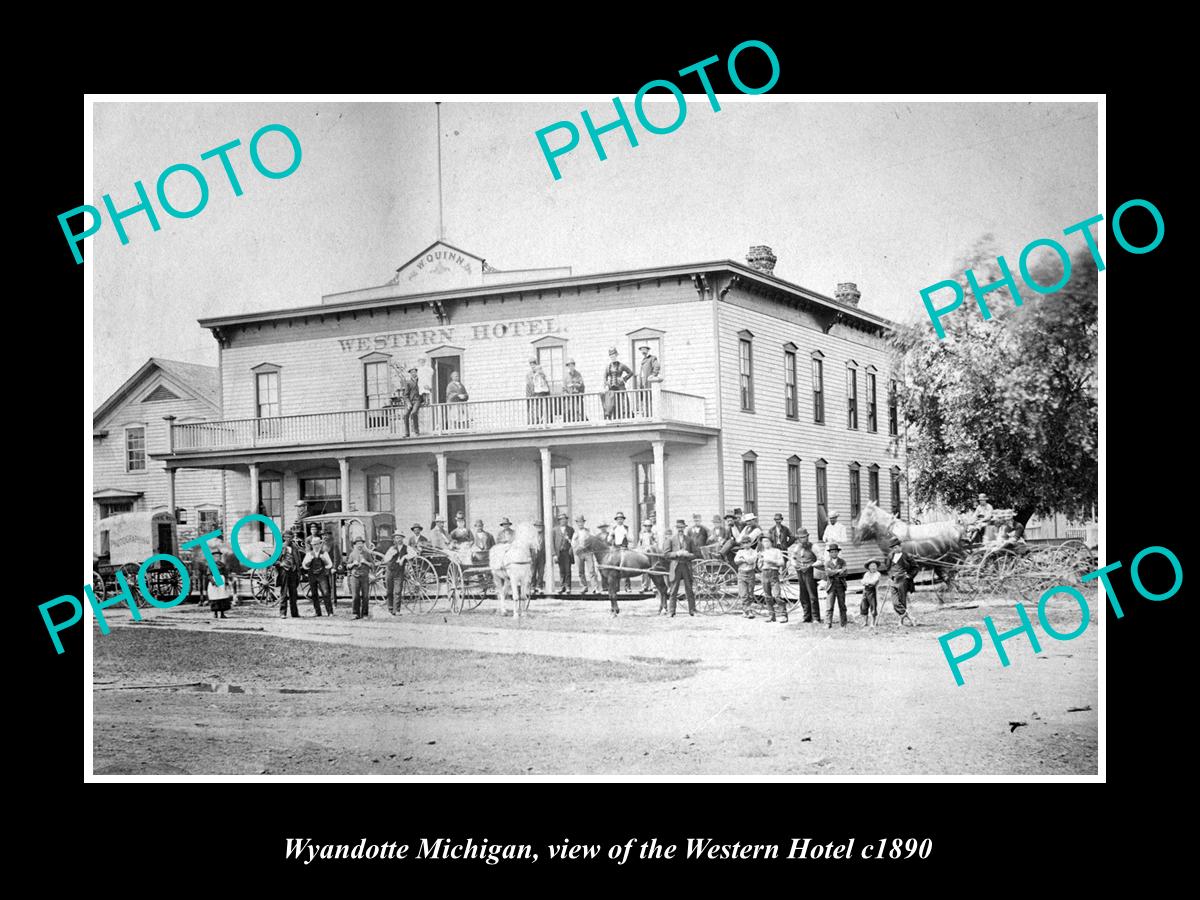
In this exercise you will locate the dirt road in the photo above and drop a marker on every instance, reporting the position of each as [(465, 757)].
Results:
[(569, 690)]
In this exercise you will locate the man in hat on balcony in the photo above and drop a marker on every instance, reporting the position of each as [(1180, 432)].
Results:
[(573, 388), (410, 399), (615, 376), (562, 536), (537, 389), (506, 534)]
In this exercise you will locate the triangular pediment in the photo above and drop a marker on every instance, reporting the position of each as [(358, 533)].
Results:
[(162, 392), (439, 267)]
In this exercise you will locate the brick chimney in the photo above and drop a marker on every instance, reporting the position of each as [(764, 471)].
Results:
[(760, 257), (847, 292)]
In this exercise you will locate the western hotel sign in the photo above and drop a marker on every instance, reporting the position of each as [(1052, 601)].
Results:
[(434, 337)]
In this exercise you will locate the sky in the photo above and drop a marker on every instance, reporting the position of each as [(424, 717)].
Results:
[(886, 195)]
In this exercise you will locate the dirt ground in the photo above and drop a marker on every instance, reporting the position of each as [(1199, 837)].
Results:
[(569, 690)]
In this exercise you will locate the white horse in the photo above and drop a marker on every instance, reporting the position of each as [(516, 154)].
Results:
[(512, 566)]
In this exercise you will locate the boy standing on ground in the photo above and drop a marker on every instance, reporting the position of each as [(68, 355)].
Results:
[(870, 586), (772, 562)]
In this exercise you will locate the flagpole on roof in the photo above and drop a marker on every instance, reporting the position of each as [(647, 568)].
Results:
[(441, 227)]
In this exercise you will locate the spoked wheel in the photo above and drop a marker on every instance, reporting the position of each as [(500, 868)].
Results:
[(98, 587), (420, 592), (716, 586), (476, 585), (789, 588), (163, 581), (456, 591), (377, 586), (265, 585)]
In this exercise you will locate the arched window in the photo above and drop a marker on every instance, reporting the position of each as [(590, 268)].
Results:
[(793, 483), (852, 394), (750, 482)]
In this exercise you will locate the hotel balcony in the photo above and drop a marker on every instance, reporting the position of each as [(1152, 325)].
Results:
[(495, 422)]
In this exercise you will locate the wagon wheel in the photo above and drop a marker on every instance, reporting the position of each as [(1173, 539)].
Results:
[(789, 588), (716, 586), (98, 587), (163, 581), (265, 585), (476, 584), (1029, 580), (377, 584), (420, 591), (455, 587)]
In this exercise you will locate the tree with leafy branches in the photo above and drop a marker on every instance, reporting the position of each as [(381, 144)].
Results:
[(1007, 406)]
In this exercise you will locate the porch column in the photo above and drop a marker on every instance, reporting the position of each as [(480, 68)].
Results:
[(443, 497), (660, 492), (170, 420), (344, 471), (548, 516), (254, 488), (171, 491)]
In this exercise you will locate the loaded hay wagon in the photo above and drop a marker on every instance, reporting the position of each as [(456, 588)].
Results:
[(123, 542)]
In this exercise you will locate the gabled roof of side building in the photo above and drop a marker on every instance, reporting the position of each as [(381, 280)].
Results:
[(202, 381)]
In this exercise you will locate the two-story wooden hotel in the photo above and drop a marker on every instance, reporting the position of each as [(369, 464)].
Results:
[(772, 397)]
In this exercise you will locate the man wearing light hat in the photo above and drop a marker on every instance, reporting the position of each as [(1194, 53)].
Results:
[(835, 530), (416, 540), (615, 376), (750, 533), (618, 536), (573, 387), (648, 367), (585, 560), (437, 534)]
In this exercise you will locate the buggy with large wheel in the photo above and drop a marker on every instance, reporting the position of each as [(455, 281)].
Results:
[(716, 584), (123, 542)]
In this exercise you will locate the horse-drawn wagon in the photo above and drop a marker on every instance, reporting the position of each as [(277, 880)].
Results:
[(121, 543)]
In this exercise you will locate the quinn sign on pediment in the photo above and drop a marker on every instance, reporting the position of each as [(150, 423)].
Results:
[(439, 267)]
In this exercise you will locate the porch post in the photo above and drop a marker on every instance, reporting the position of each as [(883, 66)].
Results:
[(254, 488), (443, 497), (660, 493), (171, 491), (548, 517), (170, 420), (344, 471)]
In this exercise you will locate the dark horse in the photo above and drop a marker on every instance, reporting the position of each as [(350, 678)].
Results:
[(617, 562)]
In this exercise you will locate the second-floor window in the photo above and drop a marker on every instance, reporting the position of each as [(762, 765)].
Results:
[(851, 398), (749, 484), (789, 383), (746, 373), (135, 448), (872, 422), (893, 409), (793, 480), (818, 388), (266, 394), (376, 384)]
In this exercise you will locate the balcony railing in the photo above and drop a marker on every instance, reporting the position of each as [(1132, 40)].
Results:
[(556, 412)]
